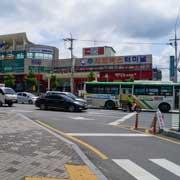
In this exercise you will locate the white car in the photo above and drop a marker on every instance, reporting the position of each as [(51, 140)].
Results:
[(26, 97), (7, 96)]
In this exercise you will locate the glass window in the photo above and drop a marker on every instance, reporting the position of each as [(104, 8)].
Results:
[(126, 90), (166, 91), (20, 55), (30, 55), (139, 90), (152, 91)]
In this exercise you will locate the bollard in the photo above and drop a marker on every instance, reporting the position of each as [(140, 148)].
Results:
[(154, 124), (136, 121)]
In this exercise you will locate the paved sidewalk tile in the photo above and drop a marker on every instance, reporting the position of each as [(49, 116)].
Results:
[(26, 150)]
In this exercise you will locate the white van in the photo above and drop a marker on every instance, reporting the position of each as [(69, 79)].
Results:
[(7, 96)]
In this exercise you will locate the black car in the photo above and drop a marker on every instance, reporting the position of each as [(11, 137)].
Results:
[(59, 101)]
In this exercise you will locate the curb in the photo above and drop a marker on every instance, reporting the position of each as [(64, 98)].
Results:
[(76, 148), (172, 134)]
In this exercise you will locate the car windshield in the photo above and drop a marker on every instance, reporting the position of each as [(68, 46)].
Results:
[(9, 91), (71, 95), (31, 95)]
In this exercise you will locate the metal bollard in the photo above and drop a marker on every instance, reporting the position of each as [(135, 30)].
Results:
[(136, 121)]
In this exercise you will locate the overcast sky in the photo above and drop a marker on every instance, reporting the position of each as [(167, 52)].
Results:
[(111, 22)]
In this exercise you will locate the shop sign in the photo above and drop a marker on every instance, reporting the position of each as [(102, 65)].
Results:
[(140, 59), (41, 50)]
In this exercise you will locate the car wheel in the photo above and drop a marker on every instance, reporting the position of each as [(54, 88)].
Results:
[(1, 104), (110, 105), (42, 107), (71, 108), (164, 107), (10, 104), (30, 102)]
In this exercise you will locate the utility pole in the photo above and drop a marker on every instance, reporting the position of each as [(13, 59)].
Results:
[(176, 57), (71, 40)]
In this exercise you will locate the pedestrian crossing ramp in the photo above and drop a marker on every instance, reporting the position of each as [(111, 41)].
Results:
[(141, 173)]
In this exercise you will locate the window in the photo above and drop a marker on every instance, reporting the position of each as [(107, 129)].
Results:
[(166, 91), (139, 90), (20, 55), (30, 55), (152, 91)]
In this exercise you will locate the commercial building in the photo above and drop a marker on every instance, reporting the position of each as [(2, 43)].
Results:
[(105, 66), (19, 56)]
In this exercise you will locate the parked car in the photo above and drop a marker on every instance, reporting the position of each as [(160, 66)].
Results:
[(7, 96), (69, 94), (59, 101), (26, 97)]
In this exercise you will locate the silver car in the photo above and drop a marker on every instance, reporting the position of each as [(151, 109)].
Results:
[(26, 97)]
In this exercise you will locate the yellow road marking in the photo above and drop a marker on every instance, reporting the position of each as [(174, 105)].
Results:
[(147, 132), (43, 178), (79, 172), (100, 154)]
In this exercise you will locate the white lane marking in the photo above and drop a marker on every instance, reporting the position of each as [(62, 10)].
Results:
[(135, 170), (122, 119), (81, 118), (168, 165), (21, 111), (110, 134)]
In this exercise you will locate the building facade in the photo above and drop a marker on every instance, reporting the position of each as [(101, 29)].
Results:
[(105, 66), (19, 56)]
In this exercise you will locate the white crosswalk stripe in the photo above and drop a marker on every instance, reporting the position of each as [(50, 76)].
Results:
[(136, 171), (168, 165), (140, 173)]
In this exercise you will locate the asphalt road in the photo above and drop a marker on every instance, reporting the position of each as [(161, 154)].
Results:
[(131, 155)]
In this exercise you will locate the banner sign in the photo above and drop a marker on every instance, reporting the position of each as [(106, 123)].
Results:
[(139, 59), (171, 68), (160, 119), (41, 50), (94, 51)]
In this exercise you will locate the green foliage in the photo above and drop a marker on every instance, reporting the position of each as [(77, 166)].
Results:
[(54, 82), (91, 76), (31, 80), (9, 80)]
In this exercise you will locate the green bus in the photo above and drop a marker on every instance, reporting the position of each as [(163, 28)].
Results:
[(146, 94)]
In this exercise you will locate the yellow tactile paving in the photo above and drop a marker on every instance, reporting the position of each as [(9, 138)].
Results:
[(43, 178), (78, 172)]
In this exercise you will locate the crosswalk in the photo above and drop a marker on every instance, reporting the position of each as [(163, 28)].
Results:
[(140, 173)]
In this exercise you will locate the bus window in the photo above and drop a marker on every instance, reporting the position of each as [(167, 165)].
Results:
[(139, 90), (113, 89), (126, 89), (152, 91), (166, 91)]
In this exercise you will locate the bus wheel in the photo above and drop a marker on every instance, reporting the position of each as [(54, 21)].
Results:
[(110, 105), (164, 107)]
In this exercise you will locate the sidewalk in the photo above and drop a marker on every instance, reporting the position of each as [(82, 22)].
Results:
[(27, 150)]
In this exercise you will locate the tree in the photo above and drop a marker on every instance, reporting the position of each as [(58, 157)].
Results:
[(91, 76), (54, 82), (9, 80), (31, 81)]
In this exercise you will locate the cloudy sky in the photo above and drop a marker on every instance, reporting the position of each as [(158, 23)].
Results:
[(105, 22)]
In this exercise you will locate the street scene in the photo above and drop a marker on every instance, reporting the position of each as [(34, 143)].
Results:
[(89, 90), (114, 148)]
